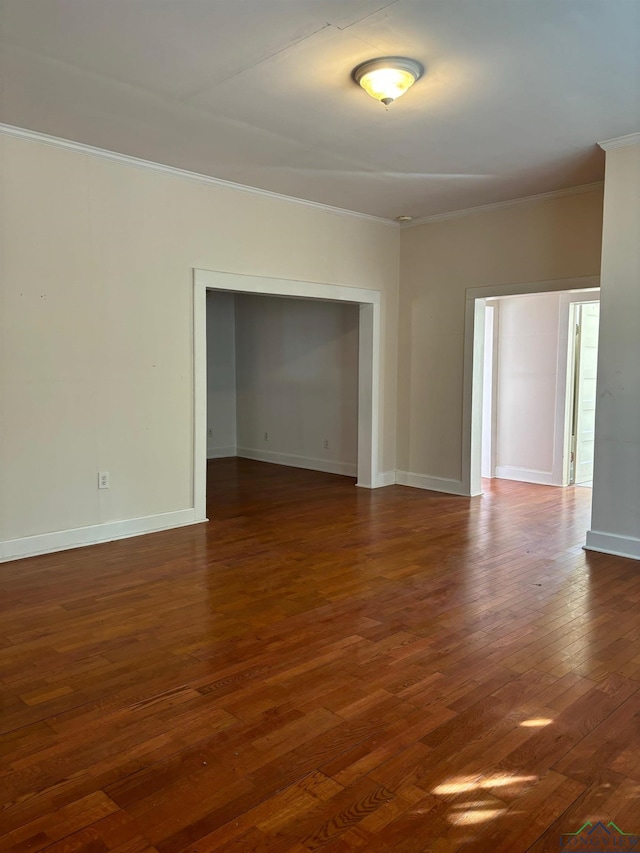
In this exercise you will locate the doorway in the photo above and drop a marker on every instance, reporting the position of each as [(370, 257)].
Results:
[(368, 363), (577, 289), (585, 322), (282, 380), (539, 387)]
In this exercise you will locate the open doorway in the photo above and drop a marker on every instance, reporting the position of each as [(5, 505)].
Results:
[(565, 291), (368, 302), (540, 365), (282, 380)]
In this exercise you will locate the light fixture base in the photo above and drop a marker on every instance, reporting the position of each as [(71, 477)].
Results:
[(387, 77)]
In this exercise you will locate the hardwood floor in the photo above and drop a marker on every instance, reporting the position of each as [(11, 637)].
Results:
[(324, 668)]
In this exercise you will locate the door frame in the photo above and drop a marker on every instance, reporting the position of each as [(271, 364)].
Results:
[(368, 363), (489, 430), (472, 393), (571, 384)]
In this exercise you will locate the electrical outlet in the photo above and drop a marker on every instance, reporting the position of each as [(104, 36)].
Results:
[(209, 432), (103, 479), (266, 436), (326, 444)]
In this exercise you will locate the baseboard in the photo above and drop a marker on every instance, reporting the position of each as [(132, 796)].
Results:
[(62, 540), (525, 475), (385, 478), (329, 466), (222, 452), (610, 543), (432, 484)]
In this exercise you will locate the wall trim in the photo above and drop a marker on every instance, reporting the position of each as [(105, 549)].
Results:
[(513, 202), (525, 475), (63, 540), (432, 484), (264, 285), (582, 286), (222, 451), (385, 478), (328, 466), (611, 543), (620, 141), (130, 160)]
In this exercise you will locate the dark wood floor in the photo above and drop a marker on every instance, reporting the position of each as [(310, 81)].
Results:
[(324, 668)]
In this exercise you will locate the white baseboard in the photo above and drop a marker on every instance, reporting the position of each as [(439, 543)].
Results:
[(432, 484), (610, 543), (62, 540), (385, 478), (525, 475), (329, 466), (221, 452)]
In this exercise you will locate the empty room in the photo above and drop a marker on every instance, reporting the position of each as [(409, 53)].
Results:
[(271, 271)]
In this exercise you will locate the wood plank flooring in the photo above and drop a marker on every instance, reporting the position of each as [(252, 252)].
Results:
[(324, 668)]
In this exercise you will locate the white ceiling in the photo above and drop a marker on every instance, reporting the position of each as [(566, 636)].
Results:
[(515, 97)]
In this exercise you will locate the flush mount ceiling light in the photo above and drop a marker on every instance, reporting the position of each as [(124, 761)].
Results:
[(388, 77)]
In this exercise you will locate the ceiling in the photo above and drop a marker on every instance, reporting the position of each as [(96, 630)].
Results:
[(515, 97)]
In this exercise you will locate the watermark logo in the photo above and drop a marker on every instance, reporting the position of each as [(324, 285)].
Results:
[(599, 838)]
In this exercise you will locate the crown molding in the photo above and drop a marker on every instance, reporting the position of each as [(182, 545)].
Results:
[(126, 159), (620, 141), (103, 153), (502, 205)]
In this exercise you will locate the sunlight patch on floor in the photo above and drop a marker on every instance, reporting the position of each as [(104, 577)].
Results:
[(471, 817), (462, 784), (539, 722)]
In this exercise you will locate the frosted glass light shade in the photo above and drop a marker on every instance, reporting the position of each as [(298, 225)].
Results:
[(387, 78)]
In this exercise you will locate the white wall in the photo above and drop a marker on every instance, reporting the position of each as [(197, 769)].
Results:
[(96, 330), (551, 239), (527, 387), (615, 523), (221, 375), (297, 381)]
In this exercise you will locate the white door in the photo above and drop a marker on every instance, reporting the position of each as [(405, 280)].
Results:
[(585, 393)]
